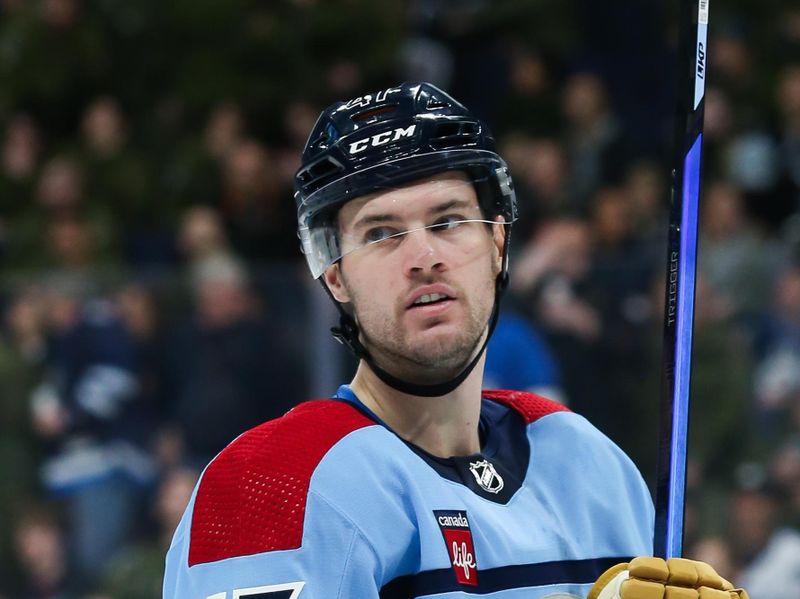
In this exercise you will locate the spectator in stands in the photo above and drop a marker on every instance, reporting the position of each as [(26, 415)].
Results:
[(531, 105), (784, 467), (202, 237), (722, 364), (299, 118), (19, 159), (224, 129), (87, 413), (551, 278), (138, 572), (618, 289), (70, 243), (594, 139), (223, 377), (716, 552), (253, 206), (732, 60), (103, 127), (776, 382), (42, 552), (542, 184), (192, 165), (769, 553), (645, 186), (60, 189), (718, 129), (21, 353), (60, 14), (788, 104), (72, 232), (119, 173), (139, 313), (732, 257), (787, 23)]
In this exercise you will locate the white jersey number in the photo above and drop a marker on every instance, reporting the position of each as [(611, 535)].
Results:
[(289, 590)]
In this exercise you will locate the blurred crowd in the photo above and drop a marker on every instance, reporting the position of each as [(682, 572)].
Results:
[(155, 303)]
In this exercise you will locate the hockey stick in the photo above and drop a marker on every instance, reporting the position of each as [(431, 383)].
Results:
[(680, 283)]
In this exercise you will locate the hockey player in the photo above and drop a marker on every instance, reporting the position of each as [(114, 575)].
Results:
[(411, 481)]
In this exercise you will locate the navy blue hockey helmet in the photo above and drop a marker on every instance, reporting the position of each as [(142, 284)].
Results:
[(383, 140)]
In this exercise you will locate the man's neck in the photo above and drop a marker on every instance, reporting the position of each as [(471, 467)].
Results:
[(443, 426)]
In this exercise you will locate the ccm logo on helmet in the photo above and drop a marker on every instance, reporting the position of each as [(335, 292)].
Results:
[(379, 139)]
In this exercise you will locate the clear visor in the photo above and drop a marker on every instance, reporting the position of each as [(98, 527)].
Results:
[(447, 211)]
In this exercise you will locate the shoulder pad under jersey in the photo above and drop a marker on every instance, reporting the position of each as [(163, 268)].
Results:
[(252, 496), (529, 405)]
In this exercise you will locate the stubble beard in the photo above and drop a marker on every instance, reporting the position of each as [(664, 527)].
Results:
[(434, 359)]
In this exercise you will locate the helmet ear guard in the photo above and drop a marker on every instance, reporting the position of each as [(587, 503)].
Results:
[(385, 140), (497, 198)]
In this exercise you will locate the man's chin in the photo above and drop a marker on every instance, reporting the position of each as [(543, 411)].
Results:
[(444, 333), (441, 357), (433, 355)]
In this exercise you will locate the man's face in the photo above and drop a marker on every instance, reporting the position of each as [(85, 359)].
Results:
[(390, 284)]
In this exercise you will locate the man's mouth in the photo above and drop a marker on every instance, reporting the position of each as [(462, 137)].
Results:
[(430, 298)]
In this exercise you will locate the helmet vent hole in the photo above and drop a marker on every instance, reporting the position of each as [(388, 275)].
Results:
[(447, 130), (320, 172), (372, 113), (435, 103), (454, 134)]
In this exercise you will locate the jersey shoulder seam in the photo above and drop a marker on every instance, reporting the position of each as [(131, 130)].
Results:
[(252, 497), (357, 532)]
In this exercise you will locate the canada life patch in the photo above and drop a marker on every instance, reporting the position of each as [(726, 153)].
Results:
[(458, 539)]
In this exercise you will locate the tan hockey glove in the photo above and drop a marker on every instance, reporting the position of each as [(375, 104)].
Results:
[(654, 578)]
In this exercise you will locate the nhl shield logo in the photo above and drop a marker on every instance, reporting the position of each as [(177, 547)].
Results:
[(487, 477), (458, 539)]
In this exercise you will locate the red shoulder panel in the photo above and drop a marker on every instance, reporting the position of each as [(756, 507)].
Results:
[(530, 406), (252, 497)]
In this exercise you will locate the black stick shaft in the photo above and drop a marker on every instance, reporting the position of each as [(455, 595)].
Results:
[(680, 283)]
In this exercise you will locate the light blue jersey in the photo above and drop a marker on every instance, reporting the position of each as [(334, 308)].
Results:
[(327, 502)]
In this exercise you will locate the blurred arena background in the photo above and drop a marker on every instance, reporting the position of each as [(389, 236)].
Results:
[(155, 303)]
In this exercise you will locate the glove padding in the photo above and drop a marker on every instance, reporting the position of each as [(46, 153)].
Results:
[(654, 578)]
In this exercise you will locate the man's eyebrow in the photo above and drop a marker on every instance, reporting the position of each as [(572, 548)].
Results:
[(371, 219), (449, 205)]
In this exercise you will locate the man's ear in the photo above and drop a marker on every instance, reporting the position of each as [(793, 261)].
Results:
[(499, 239), (335, 282)]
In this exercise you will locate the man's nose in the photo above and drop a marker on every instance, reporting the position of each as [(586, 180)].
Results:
[(422, 253)]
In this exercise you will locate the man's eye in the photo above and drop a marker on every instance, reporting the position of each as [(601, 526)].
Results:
[(378, 234), (448, 222)]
